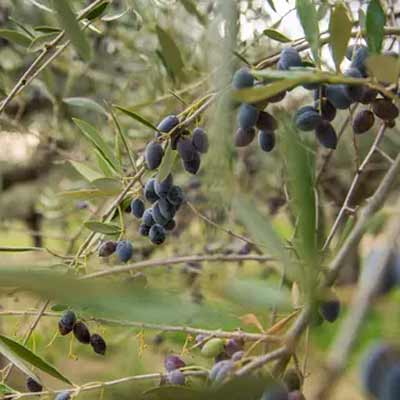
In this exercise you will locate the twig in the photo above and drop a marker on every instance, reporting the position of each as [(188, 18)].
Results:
[(353, 185), (373, 205), (35, 67), (214, 224), (178, 260), (101, 385), (252, 337), (369, 282), (260, 361)]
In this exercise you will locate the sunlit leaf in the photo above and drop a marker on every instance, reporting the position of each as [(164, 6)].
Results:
[(300, 180), (84, 194), (262, 232), (86, 103), (94, 137), (256, 293), (136, 117), (88, 173), (68, 21), (111, 185), (170, 51), (39, 41), (167, 163), (15, 37), (276, 35), (191, 8), (340, 26), (307, 15), (103, 227), (19, 354), (96, 12), (375, 25), (384, 68)]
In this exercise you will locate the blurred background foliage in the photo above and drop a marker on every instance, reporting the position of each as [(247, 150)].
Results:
[(156, 57)]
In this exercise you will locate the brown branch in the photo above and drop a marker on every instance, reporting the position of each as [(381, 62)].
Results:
[(352, 188), (162, 262), (252, 337), (369, 282)]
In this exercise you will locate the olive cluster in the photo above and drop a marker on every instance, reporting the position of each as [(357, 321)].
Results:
[(35, 387), (380, 373), (122, 248), (165, 199), (250, 117), (69, 323), (328, 98), (190, 145), (173, 365), (230, 353)]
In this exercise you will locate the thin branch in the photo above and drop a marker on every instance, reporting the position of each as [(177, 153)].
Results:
[(214, 224), (373, 205), (369, 281), (260, 361), (35, 68), (102, 385), (252, 337), (162, 262), (353, 185)]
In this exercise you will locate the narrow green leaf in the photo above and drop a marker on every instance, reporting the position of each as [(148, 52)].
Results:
[(19, 353), (322, 11), (114, 17), (272, 5), (276, 35), (88, 173), (111, 185), (255, 293), (39, 41), (46, 29), (103, 227), (41, 6), (170, 51), (307, 15), (191, 8), (375, 25), (104, 164), (97, 11), (136, 117), (5, 389), (59, 307), (167, 163), (300, 167), (112, 299), (10, 249), (15, 37), (94, 137), (340, 26), (122, 136), (85, 102), (361, 18), (264, 92), (22, 26), (385, 69), (68, 21), (84, 194), (262, 231)]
